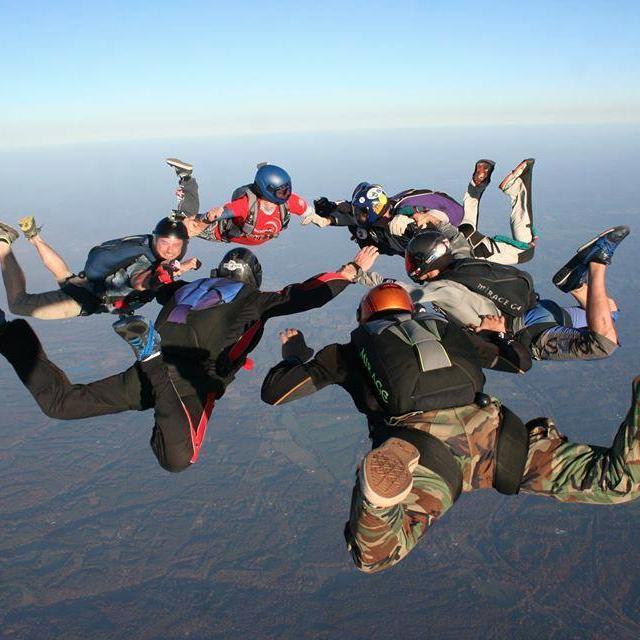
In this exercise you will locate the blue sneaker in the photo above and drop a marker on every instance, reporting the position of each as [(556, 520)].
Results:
[(141, 336), (599, 249)]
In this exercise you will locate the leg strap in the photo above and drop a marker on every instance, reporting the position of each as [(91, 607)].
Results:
[(511, 453)]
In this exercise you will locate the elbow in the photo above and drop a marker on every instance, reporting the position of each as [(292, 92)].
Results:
[(268, 395)]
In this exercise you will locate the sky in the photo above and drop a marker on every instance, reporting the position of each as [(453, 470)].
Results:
[(108, 71)]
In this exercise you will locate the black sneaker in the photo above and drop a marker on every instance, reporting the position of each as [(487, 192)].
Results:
[(141, 336), (599, 249), (8, 234), (182, 169)]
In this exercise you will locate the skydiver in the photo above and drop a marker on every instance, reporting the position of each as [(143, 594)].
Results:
[(185, 360), (256, 213), (434, 434), (389, 223), (118, 277), (502, 298)]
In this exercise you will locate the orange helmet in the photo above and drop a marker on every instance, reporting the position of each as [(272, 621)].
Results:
[(385, 298)]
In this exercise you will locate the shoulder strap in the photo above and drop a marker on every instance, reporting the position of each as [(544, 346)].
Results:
[(426, 342), (252, 204)]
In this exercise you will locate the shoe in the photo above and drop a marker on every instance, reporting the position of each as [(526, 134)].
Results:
[(482, 172), (599, 249), (141, 336), (385, 474), (28, 227), (183, 169), (518, 172), (8, 234), (604, 247)]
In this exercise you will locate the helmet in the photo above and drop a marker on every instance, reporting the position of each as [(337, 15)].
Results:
[(272, 183), (171, 228), (241, 264), (369, 202), (385, 298), (427, 251)]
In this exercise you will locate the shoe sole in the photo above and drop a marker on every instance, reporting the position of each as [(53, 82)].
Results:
[(130, 328), (28, 227), (487, 180), (562, 275), (512, 176), (385, 474), (9, 231), (179, 164)]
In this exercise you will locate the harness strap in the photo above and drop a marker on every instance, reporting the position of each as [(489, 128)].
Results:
[(512, 449)]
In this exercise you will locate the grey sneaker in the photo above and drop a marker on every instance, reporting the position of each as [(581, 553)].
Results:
[(29, 227), (509, 180), (385, 474), (182, 169), (140, 335), (8, 234)]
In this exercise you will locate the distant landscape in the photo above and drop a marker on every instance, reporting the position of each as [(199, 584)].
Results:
[(96, 541)]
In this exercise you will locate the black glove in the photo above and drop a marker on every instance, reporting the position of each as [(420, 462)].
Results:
[(345, 207), (296, 348), (324, 207)]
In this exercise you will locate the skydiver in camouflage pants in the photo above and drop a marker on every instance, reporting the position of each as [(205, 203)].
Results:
[(568, 471), (424, 457)]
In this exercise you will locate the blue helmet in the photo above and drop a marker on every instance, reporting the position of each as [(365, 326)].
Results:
[(369, 202), (273, 183)]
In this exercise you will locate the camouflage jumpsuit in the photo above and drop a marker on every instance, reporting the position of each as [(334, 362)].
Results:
[(569, 472)]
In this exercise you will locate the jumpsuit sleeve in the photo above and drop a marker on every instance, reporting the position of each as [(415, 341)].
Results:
[(292, 379), (296, 298)]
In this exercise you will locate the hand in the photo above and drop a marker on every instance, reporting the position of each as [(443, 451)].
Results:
[(192, 264), (294, 346), (314, 218), (194, 226), (288, 334), (213, 214), (324, 206), (424, 219), (366, 257), (491, 323)]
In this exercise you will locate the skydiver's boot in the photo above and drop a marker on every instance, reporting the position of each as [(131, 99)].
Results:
[(385, 473), (141, 336), (29, 227), (182, 169), (599, 249), (8, 234)]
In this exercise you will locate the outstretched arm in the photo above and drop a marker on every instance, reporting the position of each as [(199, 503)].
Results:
[(293, 378), (317, 291)]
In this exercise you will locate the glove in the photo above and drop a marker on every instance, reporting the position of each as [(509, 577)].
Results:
[(324, 206), (296, 348)]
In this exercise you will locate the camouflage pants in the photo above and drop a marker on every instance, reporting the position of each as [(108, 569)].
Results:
[(570, 472)]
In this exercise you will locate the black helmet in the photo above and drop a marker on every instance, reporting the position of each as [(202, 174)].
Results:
[(241, 264), (171, 228), (427, 251)]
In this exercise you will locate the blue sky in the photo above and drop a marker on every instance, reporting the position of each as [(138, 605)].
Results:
[(76, 72)]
